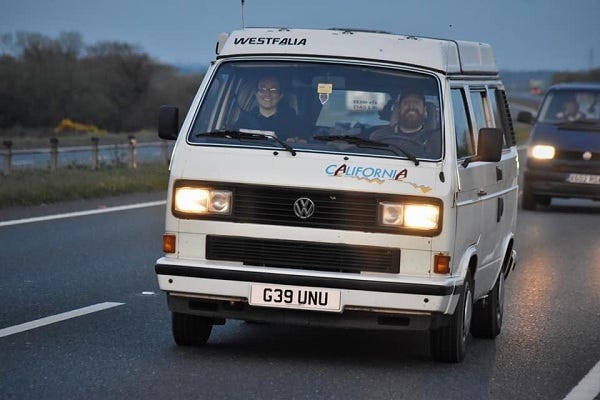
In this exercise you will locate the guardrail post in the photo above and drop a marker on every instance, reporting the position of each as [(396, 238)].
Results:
[(132, 151), (53, 154), (95, 140), (165, 151), (7, 156)]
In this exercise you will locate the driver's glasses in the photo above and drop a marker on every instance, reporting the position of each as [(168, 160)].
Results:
[(265, 90)]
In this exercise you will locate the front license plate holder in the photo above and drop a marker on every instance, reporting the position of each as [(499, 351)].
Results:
[(295, 297), (585, 179)]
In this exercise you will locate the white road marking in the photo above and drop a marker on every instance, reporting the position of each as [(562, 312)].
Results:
[(589, 387), (82, 213), (56, 318)]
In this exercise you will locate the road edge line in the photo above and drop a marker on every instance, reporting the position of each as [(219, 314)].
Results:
[(56, 318)]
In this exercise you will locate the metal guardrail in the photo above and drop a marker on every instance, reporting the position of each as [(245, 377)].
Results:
[(94, 156)]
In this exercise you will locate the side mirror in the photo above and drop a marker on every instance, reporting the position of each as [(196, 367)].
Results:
[(168, 122), (489, 146), (525, 117)]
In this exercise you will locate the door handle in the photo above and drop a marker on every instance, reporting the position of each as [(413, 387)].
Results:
[(481, 192)]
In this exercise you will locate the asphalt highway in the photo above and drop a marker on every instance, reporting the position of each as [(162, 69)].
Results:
[(81, 317)]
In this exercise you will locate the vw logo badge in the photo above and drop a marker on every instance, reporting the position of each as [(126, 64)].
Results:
[(587, 156), (304, 208)]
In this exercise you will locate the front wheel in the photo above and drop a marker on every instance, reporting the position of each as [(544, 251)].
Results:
[(449, 343), (190, 330)]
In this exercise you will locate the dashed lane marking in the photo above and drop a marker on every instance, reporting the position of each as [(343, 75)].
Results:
[(56, 318), (82, 213)]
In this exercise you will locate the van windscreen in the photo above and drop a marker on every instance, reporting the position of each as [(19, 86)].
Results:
[(322, 107)]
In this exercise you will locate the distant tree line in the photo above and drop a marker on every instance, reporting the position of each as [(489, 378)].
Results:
[(112, 85), (592, 75)]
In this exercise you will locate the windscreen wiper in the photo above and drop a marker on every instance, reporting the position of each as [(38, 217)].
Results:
[(254, 135), (368, 143)]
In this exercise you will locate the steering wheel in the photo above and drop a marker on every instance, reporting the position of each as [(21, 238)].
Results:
[(392, 137)]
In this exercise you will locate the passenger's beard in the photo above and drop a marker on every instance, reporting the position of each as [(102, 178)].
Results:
[(411, 120)]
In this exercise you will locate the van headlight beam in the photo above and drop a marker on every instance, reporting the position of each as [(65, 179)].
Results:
[(195, 200), (409, 215)]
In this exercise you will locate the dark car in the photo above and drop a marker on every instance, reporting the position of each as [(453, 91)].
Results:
[(563, 155)]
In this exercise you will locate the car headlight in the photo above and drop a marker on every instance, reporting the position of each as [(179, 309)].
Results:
[(412, 216), (542, 152), (193, 200)]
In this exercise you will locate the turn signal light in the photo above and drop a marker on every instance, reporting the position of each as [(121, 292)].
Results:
[(441, 264), (169, 243)]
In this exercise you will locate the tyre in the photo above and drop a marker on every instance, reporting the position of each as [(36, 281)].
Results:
[(449, 343), (488, 312), (543, 200), (190, 330), (528, 201)]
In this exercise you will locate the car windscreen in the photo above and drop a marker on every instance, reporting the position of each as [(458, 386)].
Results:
[(564, 106), (321, 107)]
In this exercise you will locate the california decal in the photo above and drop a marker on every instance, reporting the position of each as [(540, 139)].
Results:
[(372, 174)]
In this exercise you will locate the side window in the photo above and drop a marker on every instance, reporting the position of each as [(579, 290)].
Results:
[(502, 116), (462, 126), (480, 111)]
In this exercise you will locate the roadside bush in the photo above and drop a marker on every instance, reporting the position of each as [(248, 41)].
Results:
[(112, 85)]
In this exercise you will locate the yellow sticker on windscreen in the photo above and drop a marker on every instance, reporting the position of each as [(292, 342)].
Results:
[(325, 88)]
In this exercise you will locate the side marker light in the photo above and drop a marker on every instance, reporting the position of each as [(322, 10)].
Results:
[(441, 264), (169, 241)]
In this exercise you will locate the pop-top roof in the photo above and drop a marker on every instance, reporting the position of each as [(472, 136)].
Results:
[(449, 56)]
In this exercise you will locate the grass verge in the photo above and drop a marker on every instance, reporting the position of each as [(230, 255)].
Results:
[(34, 187)]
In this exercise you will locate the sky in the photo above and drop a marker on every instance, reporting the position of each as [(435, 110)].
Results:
[(525, 34)]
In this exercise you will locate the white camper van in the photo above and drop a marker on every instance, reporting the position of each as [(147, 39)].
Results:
[(342, 178)]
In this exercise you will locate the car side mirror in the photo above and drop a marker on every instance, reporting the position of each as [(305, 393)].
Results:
[(168, 122), (525, 117), (489, 146)]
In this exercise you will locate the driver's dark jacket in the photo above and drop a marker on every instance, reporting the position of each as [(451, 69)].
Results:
[(285, 122)]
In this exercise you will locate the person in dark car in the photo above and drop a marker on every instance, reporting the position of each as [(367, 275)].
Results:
[(570, 110)]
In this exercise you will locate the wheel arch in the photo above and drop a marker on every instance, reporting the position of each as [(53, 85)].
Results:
[(509, 260), (468, 263)]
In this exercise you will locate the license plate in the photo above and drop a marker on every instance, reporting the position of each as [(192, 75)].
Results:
[(584, 178), (297, 297)]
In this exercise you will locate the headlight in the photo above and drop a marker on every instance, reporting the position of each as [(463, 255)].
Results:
[(542, 152), (202, 200), (413, 216)]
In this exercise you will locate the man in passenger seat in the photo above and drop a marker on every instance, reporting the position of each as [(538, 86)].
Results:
[(272, 114), (408, 129)]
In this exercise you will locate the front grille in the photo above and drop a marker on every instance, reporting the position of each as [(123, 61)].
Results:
[(568, 161), (341, 210), (573, 161), (303, 255), (571, 155)]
